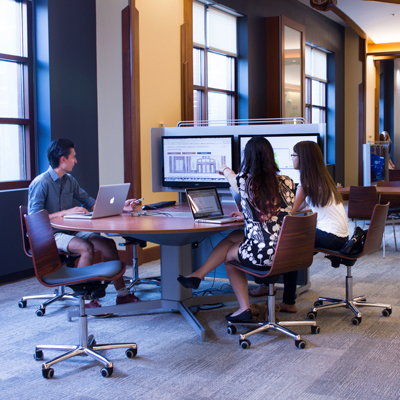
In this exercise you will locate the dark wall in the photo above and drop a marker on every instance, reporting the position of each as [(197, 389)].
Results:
[(14, 263), (67, 83), (320, 31), (66, 99), (387, 71)]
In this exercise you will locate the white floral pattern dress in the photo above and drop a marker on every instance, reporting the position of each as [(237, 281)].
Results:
[(261, 237)]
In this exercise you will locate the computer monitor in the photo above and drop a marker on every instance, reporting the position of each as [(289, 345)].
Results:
[(190, 161), (282, 145)]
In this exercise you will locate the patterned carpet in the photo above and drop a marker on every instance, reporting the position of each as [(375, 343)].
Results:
[(342, 362)]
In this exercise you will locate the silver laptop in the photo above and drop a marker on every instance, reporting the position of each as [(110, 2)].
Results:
[(206, 206), (110, 201)]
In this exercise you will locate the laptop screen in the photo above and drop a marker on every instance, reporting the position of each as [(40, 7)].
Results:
[(204, 202)]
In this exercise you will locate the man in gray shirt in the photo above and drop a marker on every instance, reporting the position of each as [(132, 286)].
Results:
[(55, 191)]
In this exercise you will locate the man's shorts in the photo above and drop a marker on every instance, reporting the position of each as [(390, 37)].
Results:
[(63, 239)]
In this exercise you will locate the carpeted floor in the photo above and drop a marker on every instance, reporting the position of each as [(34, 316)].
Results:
[(342, 362)]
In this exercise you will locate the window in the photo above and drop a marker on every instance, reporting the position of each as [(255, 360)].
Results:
[(214, 63), (316, 85), (16, 94)]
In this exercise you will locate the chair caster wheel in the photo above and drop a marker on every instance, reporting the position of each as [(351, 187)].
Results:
[(38, 355), (40, 312), (22, 304), (356, 321), (312, 315), (315, 329), (318, 303), (245, 344), (48, 373), (231, 329), (91, 341), (386, 312), (106, 371), (131, 353), (300, 344)]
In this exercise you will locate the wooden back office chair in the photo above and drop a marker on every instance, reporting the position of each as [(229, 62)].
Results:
[(394, 208), (59, 293), (372, 244), (295, 250), (362, 200), (87, 282), (394, 174)]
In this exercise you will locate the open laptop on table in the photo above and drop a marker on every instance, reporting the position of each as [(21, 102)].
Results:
[(110, 201), (206, 206)]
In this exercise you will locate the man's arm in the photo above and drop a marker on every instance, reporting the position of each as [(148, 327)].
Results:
[(37, 200), (81, 196), (37, 196), (73, 210)]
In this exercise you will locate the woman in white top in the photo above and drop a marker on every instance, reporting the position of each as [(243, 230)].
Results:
[(316, 191)]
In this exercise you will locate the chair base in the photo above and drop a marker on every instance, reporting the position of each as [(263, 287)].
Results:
[(349, 302), (135, 280), (272, 324), (352, 304), (87, 346), (59, 294), (151, 280)]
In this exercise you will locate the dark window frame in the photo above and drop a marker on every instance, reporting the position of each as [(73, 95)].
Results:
[(205, 89), (28, 120), (308, 96)]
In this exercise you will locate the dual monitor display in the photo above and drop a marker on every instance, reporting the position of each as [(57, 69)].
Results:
[(190, 161)]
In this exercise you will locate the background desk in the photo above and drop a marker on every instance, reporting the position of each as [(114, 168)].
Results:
[(381, 190), (175, 236)]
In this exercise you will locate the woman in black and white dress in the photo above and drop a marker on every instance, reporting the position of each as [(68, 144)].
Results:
[(266, 198)]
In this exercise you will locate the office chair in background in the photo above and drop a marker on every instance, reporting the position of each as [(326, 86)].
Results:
[(295, 250), (372, 243), (394, 208), (87, 283), (362, 200), (136, 280), (59, 293)]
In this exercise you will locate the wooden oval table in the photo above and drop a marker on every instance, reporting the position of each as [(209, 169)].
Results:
[(174, 230)]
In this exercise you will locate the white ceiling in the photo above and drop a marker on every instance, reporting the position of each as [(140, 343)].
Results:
[(379, 20)]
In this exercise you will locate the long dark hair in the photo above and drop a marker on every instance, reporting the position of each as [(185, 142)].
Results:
[(259, 164), (317, 184)]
